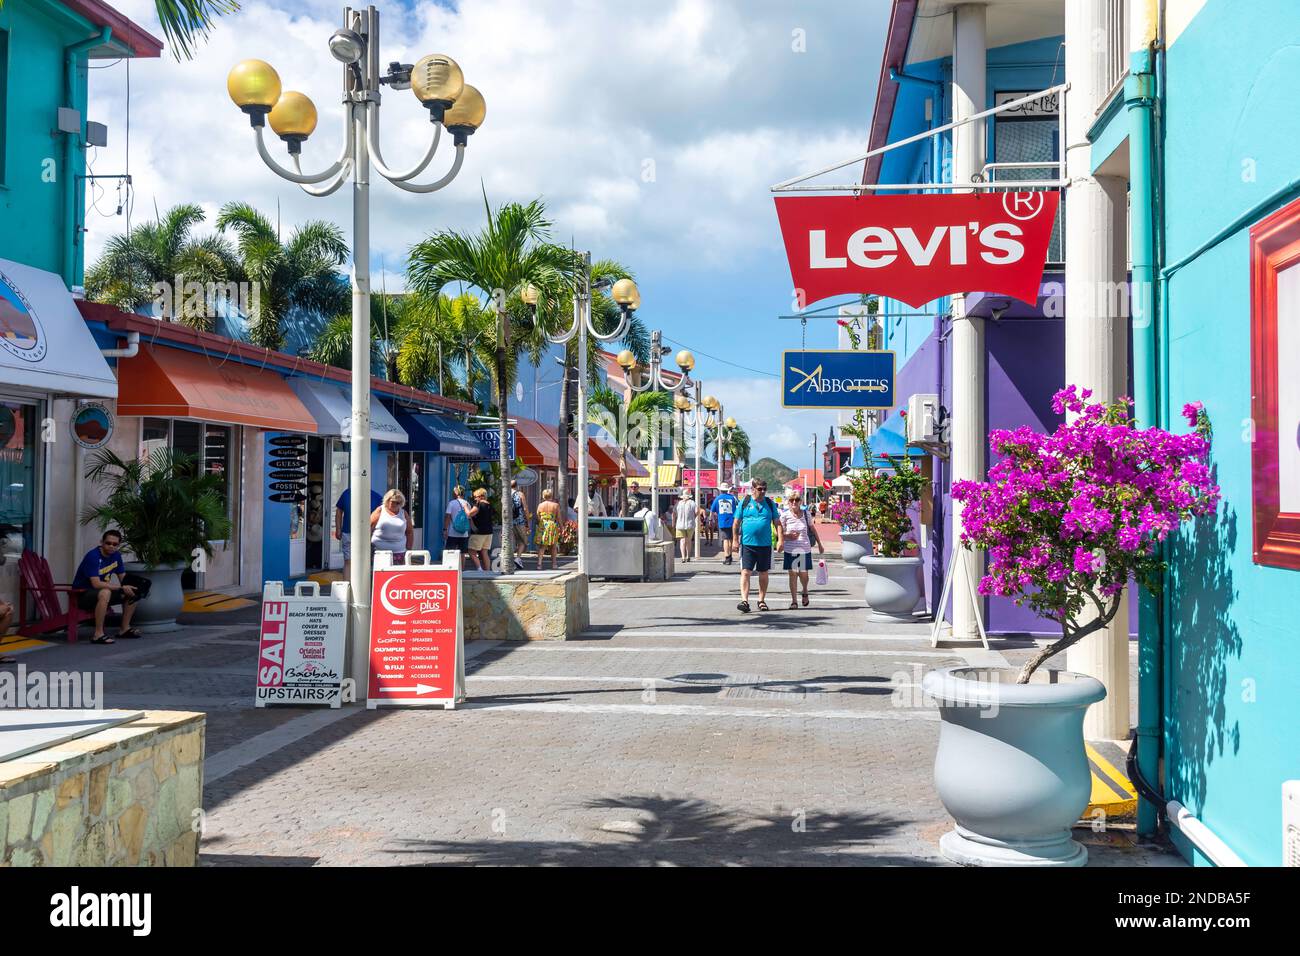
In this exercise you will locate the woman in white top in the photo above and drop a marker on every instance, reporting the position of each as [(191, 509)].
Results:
[(391, 528), (684, 518), (799, 537)]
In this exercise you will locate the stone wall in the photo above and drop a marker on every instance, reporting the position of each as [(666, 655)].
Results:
[(526, 607), (659, 558), (125, 796)]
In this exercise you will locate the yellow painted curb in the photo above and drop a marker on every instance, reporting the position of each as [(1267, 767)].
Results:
[(1112, 792), (326, 578), (201, 602), (21, 644)]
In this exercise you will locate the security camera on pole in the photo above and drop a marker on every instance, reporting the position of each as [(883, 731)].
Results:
[(438, 84), (624, 292), (655, 380)]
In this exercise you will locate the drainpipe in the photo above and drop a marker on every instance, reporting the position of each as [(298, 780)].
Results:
[(131, 351), (71, 143), (1139, 101), (936, 87)]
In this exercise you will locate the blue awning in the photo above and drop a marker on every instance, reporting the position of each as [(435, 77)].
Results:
[(443, 436), (889, 439)]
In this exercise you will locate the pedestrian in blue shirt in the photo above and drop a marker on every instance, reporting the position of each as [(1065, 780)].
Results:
[(757, 523), (343, 524), (103, 584), (724, 506)]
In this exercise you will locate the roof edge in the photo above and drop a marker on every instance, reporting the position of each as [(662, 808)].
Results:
[(897, 39), (134, 37)]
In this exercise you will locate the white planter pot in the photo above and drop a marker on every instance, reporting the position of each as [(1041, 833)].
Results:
[(1011, 768), (158, 611), (854, 546), (892, 589)]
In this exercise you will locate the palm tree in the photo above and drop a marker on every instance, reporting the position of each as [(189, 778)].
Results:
[(164, 252), (299, 274), (736, 446), (436, 335), (631, 423), (512, 251)]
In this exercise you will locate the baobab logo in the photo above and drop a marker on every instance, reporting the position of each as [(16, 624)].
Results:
[(401, 599), (21, 333)]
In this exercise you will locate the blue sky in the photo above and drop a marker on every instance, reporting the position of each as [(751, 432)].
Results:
[(653, 130)]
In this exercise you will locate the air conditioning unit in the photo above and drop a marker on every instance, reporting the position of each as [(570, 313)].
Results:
[(1291, 823), (923, 419)]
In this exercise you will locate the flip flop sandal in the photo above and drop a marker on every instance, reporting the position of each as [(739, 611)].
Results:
[(743, 607), (805, 600), (130, 633), (102, 639), (793, 605), (762, 606)]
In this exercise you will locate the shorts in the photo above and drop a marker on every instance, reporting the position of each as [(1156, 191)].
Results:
[(456, 544), (345, 542), (726, 528), (798, 561), (755, 558), (87, 599), (685, 533), (480, 542)]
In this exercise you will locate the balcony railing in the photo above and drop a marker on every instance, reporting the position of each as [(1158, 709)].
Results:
[(1115, 36)]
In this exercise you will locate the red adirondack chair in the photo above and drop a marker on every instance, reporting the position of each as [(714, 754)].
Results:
[(36, 580)]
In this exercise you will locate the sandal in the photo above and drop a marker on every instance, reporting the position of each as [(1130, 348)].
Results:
[(793, 605), (762, 606), (131, 633), (102, 639), (805, 600), (743, 607)]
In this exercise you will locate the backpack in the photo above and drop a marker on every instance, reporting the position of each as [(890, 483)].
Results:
[(460, 522), (771, 508)]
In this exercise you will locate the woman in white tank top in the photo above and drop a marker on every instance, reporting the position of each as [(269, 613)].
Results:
[(390, 526)]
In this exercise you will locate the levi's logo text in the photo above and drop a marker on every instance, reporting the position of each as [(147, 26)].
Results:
[(838, 379), (917, 248)]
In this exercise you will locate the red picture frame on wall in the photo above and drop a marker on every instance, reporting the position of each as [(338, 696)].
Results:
[(1275, 391)]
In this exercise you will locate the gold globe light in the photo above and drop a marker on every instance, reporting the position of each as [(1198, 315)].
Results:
[(710, 403), (254, 86), (626, 359), (682, 403), (293, 118), (465, 115), (710, 422), (625, 292), (436, 81), (730, 422), (685, 360), (635, 303), (529, 294)]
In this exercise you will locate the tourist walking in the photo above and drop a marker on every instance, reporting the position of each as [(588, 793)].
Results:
[(799, 536), (456, 523), (391, 528), (548, 529), (753, 530), (480, 530), (724, 511), (343, 525), (519, 518), (684, 520)]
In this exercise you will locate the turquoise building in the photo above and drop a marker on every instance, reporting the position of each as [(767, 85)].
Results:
[(45, 47)]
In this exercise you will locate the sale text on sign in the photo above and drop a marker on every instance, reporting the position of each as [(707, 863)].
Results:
[(300, 654), (416, 640), (918, 248), (829, 379)]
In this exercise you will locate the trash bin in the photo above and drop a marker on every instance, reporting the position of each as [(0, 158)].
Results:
[(616, 548)]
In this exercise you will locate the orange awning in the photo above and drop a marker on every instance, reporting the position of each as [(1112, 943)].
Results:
[(602, 461), (171, 383), (537, 446)]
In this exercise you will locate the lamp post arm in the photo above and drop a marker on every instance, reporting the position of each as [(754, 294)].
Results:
[(377, 159), (343, 176), (437, 184), (618, 333), (293, 177)]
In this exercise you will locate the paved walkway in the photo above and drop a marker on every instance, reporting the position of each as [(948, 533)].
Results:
[(678, 731)]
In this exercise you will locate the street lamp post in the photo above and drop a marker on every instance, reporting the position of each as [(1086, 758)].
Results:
[(696, 410), (655, 380), (628, 298), (453, 105), (725, 428)]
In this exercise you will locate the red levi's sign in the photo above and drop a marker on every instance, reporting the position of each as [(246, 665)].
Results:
[(920, 247)]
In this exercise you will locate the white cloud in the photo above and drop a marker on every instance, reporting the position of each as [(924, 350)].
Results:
[(774, 431)]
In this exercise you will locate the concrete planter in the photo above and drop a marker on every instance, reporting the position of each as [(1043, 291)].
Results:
[(166, 597), (854, 545), (1011, 768), (893, 588)]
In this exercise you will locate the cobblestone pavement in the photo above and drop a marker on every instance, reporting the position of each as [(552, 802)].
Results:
[(676, 732)]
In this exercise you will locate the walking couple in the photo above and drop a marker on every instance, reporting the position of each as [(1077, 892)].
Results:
[(758, 528)]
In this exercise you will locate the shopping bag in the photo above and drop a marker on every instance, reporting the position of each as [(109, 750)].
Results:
[(822, 575)]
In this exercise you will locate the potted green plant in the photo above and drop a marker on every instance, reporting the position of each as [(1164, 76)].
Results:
[(893, 586), (1067, 520), (167, 509)]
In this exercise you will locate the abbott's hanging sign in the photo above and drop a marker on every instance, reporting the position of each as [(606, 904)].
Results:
[(837, 379), (918, 248)]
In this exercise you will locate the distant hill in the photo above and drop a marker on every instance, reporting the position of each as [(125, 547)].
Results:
[(772, 471)]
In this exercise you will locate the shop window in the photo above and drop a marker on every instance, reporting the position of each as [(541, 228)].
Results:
[(18, 477), (405, 474), (212, 446), (1031, 134)]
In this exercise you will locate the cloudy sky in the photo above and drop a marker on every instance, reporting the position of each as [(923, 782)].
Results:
[(652, 130)]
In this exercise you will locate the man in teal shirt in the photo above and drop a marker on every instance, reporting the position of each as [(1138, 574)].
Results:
[(756, 520)]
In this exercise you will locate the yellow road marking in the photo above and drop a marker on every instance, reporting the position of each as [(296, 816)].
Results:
[(21, 644), (198, 602), (1112, 793)]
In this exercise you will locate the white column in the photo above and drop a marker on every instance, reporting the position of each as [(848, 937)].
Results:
[(969, 429), (582, 310), (1096, 324)]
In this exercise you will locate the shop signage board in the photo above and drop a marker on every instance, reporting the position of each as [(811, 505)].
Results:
[(837, 379), (417, 632), (491, 439), (91, 425), (300, 654), (708, 477), (917, 248)]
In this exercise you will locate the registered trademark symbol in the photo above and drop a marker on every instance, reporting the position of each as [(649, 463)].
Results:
[(1022, 206)]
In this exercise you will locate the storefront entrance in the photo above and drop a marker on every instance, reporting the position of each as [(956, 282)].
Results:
[(19, 481)]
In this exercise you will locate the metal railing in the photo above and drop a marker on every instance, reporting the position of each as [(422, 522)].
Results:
[(1115, 27)]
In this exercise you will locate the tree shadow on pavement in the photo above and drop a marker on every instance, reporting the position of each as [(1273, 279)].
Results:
[(649, 830)]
